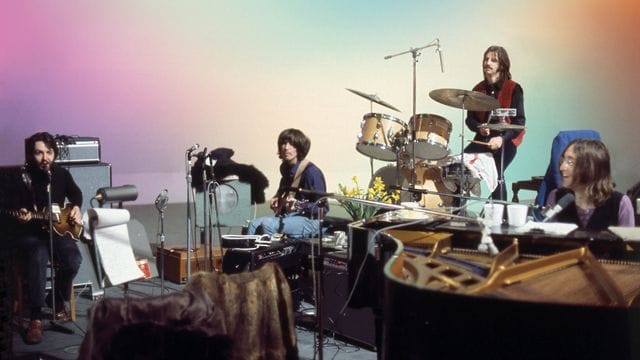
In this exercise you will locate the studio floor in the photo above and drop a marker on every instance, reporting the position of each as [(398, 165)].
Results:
[(58, 345), (142, 230)]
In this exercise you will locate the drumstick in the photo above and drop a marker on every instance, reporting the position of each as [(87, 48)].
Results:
[(479, 142)]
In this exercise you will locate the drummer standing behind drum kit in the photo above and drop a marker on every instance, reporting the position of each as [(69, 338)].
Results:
[(502, 140)]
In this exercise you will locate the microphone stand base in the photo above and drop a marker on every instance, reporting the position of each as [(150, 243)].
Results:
[(56, 326)]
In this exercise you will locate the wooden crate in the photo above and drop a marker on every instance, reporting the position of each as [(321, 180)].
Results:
[(175, 262)]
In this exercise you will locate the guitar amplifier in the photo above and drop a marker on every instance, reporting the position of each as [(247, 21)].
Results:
[(78, 150), (285, 253), (356, 325)]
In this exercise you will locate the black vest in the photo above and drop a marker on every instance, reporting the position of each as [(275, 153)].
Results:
[(603, 216)]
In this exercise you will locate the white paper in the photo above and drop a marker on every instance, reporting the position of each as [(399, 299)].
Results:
[(552, 228), (112, 239), (626, 233)]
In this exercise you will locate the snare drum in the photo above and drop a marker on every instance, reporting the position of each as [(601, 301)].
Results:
[(378, 135), (430, 178), (432, 136)]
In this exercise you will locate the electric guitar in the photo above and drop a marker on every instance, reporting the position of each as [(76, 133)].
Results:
[(62, 224), (283, 204)]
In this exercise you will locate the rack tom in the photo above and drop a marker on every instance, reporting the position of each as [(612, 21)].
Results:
[(378, 136), (431, 136)]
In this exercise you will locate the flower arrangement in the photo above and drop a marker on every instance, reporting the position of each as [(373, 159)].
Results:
[(376, 192)]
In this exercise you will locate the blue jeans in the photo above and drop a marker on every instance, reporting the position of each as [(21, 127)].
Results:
[(293, 225)]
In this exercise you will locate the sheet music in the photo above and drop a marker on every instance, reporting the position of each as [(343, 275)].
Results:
[(114, 246)]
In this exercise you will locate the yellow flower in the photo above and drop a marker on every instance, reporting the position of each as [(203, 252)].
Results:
[(377, 192)]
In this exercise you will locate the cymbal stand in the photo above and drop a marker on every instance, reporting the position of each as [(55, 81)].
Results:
[(415, 52), (502, 114), (462, 175)]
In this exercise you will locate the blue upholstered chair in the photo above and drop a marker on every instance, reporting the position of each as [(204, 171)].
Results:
[(552, 179)]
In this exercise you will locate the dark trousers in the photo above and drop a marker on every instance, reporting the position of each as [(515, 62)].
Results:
[(510, 150), (34, 254)]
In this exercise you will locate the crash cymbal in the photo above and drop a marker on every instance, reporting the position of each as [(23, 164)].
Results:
[(502, 126), (374, 98), (464, 99)]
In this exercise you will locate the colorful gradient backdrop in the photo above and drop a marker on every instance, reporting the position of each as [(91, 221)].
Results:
[(150, 78)]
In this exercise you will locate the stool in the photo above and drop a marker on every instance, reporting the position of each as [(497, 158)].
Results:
[(19, 296)]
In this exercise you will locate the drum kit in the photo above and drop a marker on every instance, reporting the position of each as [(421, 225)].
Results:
[(419, 145)]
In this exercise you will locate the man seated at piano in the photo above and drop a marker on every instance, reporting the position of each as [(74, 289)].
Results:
[(586, 173), (43, 178), (301, 185)]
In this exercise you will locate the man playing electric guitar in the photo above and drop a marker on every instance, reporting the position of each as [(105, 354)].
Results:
[(296, 212), (42, 176)]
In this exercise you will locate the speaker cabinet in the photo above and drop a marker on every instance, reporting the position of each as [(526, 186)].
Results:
[(354, 324), (234, 204), (90, 178)]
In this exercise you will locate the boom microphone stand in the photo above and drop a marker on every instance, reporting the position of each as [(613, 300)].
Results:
[(415, 52), (54, 324), (189, 201)]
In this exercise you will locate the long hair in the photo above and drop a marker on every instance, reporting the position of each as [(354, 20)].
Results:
[(30, 144), (296, 138), (504, 64), (592, 169)]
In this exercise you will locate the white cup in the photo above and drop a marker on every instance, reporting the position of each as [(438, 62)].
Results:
[(494, 212), (517, 214)]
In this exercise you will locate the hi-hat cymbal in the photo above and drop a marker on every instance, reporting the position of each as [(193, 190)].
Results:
[(464, 99), (374, 98), (502, 126)]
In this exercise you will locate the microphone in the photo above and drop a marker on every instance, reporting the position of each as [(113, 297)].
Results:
[(561, 205), (193, 148), (162, 200), (439, 50)]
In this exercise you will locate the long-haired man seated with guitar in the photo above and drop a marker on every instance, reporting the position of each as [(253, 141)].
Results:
[(32, 238), (296, 212)]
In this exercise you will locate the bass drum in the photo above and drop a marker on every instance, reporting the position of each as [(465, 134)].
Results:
[(429, 177)]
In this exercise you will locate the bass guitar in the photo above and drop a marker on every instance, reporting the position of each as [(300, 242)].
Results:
[(62, 224)]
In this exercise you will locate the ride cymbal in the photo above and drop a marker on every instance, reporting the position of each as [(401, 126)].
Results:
[(464, 99), (374, 98)]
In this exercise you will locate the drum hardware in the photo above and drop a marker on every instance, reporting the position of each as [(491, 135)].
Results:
[(465, 100), (374, 99)]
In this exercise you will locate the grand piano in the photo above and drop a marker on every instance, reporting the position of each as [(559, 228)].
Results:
[(543, 296)]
